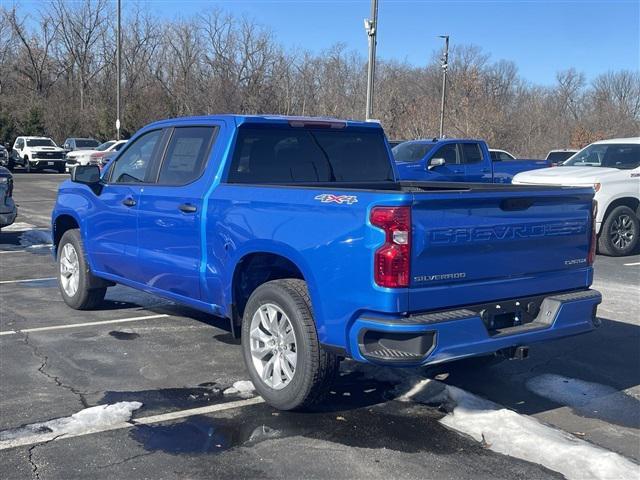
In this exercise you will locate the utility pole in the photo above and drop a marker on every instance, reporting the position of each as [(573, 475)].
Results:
[(371, 27), (445, 65), (118, 73)]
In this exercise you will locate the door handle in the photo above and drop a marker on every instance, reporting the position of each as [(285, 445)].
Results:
[(129, 202), (188, 208)]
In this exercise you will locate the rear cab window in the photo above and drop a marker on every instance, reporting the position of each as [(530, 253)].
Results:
[(280, 154), (186, 155)]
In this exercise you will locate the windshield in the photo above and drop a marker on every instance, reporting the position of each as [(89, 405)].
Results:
[(84, 143), (610, 155), (556, 157), (41, 142), (105, 145), (411, 152)]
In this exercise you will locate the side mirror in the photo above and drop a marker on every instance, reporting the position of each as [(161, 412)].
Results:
[(87, 174), (436, 162)]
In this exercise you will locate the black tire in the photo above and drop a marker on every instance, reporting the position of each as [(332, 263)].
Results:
[(27, 164), (84, 298), (61, 168), (621, 218), (315, 367)]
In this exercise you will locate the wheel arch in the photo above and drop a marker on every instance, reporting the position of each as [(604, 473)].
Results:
[(631, 202), (260, 266), (61, 224)]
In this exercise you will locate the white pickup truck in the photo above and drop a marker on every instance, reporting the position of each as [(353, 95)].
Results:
[(37, 153), (612, 167)]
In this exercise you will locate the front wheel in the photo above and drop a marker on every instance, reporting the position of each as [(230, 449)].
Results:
[(619, 233), (287, 364), (27, 164), (74, 275)]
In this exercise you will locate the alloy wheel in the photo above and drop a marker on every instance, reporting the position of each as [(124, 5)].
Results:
[(69, 269), (273, 346)]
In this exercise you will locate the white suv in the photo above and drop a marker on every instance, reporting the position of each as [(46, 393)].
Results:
[(37, 153), (612, 167)]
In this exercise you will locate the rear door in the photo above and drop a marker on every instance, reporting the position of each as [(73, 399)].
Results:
[(498, 242), (477, 167), (113, 230), (453, 168), (170, 214)]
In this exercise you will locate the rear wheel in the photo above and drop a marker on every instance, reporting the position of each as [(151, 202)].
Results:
[(619, 233), (74, 275), (287, 364)]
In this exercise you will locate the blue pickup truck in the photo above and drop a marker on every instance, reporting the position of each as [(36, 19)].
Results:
[(298, 232), (456, 160)]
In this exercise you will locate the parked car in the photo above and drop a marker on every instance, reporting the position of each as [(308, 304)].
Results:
[(8, 209), (84, 157), (500, 155), (612, 168), (456, 160), (74, 144), (296, 230), (4, 156), (36, 153), (557, 157)]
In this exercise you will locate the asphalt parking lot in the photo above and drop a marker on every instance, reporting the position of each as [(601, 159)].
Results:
[(55, 362)]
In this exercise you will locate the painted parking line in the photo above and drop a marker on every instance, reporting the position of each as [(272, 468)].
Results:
[(634, 264), (85, 324), (166, 417), (27, 280)]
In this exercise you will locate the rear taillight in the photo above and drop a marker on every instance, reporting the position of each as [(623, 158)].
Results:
[(594, 240), (392, 259)]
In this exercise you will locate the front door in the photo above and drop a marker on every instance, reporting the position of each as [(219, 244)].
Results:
[(170, 214), (452, 170), (113, 228)]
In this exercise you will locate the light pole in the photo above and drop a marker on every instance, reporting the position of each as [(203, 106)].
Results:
[(118, 74), (445, 65), (371, 27)]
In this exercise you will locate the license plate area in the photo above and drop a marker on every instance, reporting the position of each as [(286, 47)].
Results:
[(508, 314), (49, 163)]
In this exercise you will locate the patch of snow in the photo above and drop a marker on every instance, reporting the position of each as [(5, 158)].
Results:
[(593, 399), (85, 420), (572, 391), (521, 436), (508, 432), (36, 238), (18, 227), (243, 387)]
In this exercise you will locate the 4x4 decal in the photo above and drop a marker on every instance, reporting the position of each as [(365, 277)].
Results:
[(330, 198)]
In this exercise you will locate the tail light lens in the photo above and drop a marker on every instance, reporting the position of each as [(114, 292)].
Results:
[(392, 259), (594, 240)]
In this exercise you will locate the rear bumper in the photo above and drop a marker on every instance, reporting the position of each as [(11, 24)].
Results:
[(454, 334)]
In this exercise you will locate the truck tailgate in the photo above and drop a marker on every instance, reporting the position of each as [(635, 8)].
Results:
[(485, 245)]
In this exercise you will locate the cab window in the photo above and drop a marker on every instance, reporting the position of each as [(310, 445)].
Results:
[(134, 165)]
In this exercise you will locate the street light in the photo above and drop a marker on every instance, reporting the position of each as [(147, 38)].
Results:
[(371, 27), (118, 74), (444, 65)]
